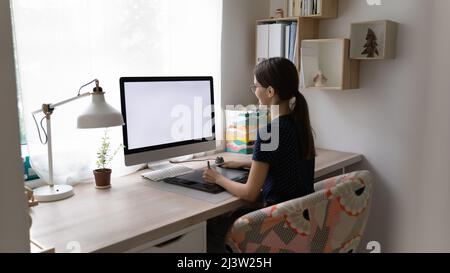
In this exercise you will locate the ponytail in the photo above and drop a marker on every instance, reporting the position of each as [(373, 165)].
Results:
[(304, 129)]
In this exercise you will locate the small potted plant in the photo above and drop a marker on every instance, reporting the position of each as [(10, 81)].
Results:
[(103, 174)]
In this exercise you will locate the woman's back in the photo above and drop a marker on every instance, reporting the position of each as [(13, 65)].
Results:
[(289, 176)]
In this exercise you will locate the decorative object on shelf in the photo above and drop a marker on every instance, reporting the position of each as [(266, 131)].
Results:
[(320, 80), (279, 13), (370, 47), (377, 38), (103, 174), (331, 57), (99, 114)]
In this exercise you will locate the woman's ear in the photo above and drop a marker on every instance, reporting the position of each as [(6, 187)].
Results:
[(270, 92)]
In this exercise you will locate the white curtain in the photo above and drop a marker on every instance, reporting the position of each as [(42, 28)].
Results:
[(60, 45)]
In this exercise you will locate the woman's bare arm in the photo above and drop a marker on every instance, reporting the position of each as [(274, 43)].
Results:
[(251, 190)]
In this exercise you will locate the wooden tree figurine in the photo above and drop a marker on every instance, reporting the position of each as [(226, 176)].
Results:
[(371, 44)]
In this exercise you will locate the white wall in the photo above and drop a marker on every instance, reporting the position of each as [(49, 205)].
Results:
[(399, 121), (13, 208), (382, 119), (434, 179), (238, 48)]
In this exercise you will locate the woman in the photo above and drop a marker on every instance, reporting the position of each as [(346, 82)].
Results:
[(287, 170)]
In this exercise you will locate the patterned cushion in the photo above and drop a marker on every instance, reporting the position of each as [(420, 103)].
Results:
[(332, 219)]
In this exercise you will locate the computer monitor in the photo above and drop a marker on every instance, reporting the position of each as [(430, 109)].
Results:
[(166, 117)]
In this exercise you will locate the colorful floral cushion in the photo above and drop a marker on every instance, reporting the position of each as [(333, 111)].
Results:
[(332, 219)]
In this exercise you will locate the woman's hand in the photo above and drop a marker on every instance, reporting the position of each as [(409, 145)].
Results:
[(212, 176)]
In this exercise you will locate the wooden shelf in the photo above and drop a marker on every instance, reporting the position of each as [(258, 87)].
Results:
[(276, 20), (324, 88), (331, 56), (385, 32)]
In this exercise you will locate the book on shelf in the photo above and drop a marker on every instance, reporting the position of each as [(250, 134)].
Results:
[(296, 7), (262, 43), (292, 39), (286, 41), (276, 40), (290, 8), (310, 7)]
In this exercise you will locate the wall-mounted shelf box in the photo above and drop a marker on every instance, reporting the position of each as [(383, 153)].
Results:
[(385, 32), (306, 29), (332, 57), (325, 9)]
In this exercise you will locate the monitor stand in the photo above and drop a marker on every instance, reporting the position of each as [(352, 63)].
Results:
[(165, 164), (160, 165)]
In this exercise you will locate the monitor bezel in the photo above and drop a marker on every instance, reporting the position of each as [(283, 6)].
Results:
[(124, 80)]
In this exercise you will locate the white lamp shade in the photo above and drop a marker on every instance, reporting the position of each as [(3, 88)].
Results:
[(99, 114)]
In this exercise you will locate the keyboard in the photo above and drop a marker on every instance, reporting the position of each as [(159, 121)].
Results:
[(207, 187), (175, 170)]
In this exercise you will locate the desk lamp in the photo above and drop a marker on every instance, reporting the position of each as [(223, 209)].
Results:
[(98, 114)]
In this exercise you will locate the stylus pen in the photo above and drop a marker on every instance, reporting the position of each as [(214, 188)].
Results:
[(209, 167)]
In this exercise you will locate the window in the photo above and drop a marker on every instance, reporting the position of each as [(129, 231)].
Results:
[(60, 45)]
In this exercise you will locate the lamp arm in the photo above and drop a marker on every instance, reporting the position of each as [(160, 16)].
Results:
[(54, 105), (47, 110)]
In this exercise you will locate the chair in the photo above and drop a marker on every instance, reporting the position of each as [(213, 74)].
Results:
[(332, 220)]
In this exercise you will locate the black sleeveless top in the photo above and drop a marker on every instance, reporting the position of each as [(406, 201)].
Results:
[(288, 176)]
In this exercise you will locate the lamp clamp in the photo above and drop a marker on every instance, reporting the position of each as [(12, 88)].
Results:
[(47, 109), (97, 89)]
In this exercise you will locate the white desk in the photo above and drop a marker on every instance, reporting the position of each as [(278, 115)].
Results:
[(134, 216)]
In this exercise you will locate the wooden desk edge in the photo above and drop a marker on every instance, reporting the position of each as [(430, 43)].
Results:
[(331, 167)]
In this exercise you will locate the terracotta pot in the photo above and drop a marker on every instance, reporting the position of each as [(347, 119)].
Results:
[(102, 178)]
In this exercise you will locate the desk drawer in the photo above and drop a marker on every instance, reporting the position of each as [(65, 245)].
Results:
[(188, 240)]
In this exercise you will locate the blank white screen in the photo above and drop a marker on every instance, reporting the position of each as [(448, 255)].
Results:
[(154, 109)]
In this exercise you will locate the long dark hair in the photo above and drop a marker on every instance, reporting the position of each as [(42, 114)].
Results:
[(281, 74)]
